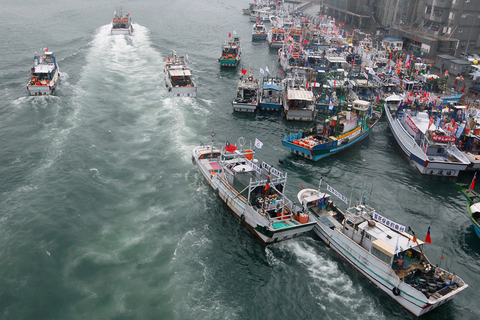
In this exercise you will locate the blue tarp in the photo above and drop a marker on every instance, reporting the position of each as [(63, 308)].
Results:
[(272, 86)]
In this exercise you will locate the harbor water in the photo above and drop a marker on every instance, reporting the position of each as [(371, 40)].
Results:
[(105, 217)]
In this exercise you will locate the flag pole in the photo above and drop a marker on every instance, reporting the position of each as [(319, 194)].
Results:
[(419, 246)]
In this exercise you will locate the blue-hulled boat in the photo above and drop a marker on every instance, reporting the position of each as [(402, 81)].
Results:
[(333, 134)]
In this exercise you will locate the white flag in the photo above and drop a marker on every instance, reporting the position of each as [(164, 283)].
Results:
[(266, 70), (186, 56), (331, 104), (258, 144), (261, 71), (234, 32)]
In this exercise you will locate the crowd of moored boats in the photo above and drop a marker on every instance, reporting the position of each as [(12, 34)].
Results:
[(342, 90)]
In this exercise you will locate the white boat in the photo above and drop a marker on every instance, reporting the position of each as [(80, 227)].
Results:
[(122, 23), (254, 192), (298, 101), (178, 77), (247, 94), (44, 75), (372, 244), (432, 150)]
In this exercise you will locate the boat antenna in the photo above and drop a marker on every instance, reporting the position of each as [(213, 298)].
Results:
[(213, 133)]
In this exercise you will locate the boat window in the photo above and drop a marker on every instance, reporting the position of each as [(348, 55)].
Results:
[(380, 255), (367, 236)]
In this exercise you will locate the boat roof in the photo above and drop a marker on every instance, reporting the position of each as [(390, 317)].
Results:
[(44, 68), (300, 95), (422, 121), (386, 238), (180, 72), (361, 105)]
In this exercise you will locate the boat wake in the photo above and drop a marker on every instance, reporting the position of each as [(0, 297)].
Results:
[(331, 285)]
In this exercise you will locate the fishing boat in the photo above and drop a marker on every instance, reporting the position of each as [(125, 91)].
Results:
[(247, 94), (275, 37), (44, 75), (231, 52), (431, 149), (122, 23), (333, 133), (298, 101), (473, 204), (271, 94), (373, 244), (259, 31), (254, 192), (178, 77)]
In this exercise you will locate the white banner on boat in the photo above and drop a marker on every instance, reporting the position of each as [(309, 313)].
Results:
[(336, 193), (254, 166), (389, 223), (273, 171)]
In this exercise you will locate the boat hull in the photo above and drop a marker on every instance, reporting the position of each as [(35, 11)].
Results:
[(187, 92), (230, 63), (299, 115), (117, 31), (270, 106), (379, 272), (244, 107), (259, 36)]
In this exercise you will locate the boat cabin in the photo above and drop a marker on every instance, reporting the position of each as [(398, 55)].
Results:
[(383, 242)]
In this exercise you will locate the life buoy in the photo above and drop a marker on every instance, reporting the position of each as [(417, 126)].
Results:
[(396, 291), (250, 78)]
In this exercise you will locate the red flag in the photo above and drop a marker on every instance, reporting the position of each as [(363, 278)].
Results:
[(378, 98), (229, 35), (244, 71), (430, 123), (229, 147), (414, 239), (472, 184), (427, 238), (168, 59), (267, 186)]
